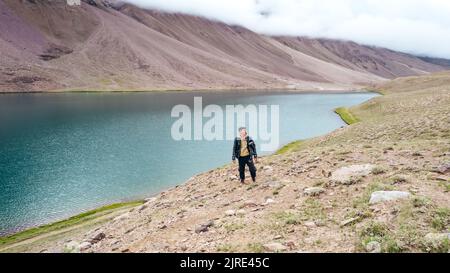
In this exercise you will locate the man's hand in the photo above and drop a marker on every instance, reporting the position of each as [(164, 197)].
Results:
[(234, 161), (256, 159)]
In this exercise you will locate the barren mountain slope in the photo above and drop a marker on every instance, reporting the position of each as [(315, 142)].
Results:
[(112, 51), (48, 45), (379, 61)]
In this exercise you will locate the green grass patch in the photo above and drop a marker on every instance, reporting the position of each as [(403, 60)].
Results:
[(293, 146), (233, 227), (226, 248), (255, 248), (441, 219), (287, 218), (72, 221), (346, 115), (380, 233)]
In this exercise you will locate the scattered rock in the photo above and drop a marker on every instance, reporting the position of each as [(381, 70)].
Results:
[(268, 170), (314, 191), (85, 246), (373, 247), (348, 221), (350, 174), (141, 208), (250, 204), (230, 212), (444, 169), (320, 223), (204, 227), (275, 247), (385, 196), (269, 201), (437, 242), (274, 184), (72, 247), (442, 178), (233, 178), (310, 224), (97, 238), (240, 212)]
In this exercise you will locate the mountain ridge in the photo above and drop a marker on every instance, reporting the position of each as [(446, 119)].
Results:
[(49, 45)]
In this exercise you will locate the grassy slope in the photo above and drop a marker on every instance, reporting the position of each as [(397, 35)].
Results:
[(413, 118), (346, 115), (76, 220)]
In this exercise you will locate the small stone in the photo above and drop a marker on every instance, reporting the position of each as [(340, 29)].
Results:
[(233, 178), (97, 238), (269, 201), (373, 247), (436, 241), (310, 224), (350, 174), (274, 184), (163, 226), (275, 247), (320, 223), (85, 246), (442, 178), (348, 221), (240, 212), (72, 247), (250, 204), (204, 227), (444, 168), (141, 208), (385, 196), (314, 191), (230, 212)]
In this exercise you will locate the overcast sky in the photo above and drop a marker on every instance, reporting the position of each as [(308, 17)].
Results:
[(415, 26)]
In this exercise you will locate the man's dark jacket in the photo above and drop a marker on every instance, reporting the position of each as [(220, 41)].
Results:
[(237, 147)]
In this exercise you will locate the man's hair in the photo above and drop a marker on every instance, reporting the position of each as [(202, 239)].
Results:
[(242, 128)]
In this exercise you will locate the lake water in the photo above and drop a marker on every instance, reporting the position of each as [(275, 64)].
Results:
[(61, 154)]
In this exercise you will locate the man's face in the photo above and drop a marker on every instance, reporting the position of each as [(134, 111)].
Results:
[(243, 133)]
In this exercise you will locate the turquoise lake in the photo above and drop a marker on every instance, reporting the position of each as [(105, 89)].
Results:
[(62, 154)]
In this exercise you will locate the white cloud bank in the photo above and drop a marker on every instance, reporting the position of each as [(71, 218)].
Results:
[(416, 26)]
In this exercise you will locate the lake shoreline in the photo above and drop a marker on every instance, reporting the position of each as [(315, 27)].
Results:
[(18, 233), (252, 90)]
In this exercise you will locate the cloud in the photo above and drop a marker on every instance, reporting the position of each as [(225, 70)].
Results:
[(415, 26)]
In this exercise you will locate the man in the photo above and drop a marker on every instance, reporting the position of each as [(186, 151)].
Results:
[(244, 149)]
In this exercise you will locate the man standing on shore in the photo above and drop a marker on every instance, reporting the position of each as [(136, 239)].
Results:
[(244, 149)]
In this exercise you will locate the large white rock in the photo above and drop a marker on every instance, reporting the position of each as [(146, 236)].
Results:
[(74, 2), (314, 191), (385, 196), (346, 175), (72, 247), (275, 247)]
